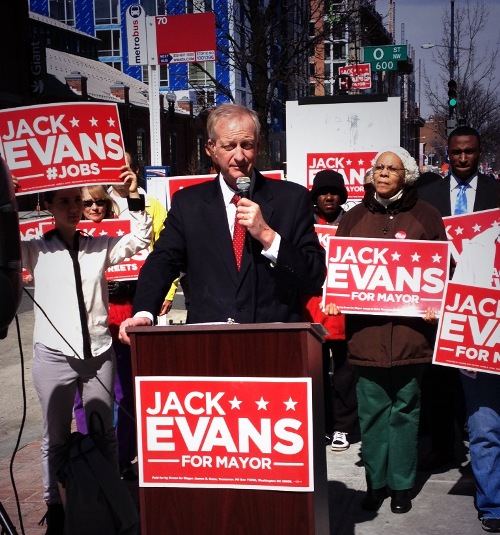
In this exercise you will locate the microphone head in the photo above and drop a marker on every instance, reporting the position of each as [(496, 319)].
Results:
[(243, 185)]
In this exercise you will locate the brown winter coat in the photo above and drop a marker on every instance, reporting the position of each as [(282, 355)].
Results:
[(385, 341)]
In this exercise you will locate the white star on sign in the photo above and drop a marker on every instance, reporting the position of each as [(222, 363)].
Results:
[(476, 228), (396, 256), (415, 257), (111, 122), (93, 121), (290, 405), (459, 230), (436, 258), (235, 403), (261, 404), (74, 122), (103, 233), (120, 232), (361, 162)]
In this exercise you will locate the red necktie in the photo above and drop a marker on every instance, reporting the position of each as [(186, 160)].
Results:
[(238, 236)]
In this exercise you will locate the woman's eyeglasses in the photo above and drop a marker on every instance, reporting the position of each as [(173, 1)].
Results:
[(390, 168), (98, 202)]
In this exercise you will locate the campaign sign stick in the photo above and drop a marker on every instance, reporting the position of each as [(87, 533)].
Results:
[(386, 277), (130, 267), (461, 228), (238, 432), (55, 146), (469, 329)]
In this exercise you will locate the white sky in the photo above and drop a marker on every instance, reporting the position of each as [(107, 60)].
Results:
[(422, 24)]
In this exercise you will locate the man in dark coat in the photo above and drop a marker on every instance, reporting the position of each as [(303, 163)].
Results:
[(282, 259), (463, 190)]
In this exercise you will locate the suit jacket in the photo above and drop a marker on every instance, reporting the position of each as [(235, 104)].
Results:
[(438, 194), (196, 240)]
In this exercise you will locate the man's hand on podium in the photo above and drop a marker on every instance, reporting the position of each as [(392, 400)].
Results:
[(131, 322)]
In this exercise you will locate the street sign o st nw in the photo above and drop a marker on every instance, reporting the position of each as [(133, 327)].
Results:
[(385, 58)]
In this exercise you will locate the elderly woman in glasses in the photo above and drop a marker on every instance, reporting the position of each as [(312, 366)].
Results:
[(390, 352)]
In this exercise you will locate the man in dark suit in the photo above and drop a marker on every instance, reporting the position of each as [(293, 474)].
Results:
[(463, 190), (282, 259)]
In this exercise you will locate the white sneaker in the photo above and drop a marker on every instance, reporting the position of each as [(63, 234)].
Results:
[(339, 442)]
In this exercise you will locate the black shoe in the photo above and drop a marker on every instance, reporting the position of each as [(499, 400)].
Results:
[(435, 461), (54, 517), (491, 524), (374, 498), (401, 501)]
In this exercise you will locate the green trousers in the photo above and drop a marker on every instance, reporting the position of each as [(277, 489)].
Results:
[(389, 410)]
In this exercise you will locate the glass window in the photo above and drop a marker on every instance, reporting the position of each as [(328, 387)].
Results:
[(164, 75), (106, 11), (110, 42), (63, 11), (198, 6), (202, 75)]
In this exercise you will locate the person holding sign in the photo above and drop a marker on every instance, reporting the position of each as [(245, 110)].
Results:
[(479, 265), (390, 352), (72, 342)]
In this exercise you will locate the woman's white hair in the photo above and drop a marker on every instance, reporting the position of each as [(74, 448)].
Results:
[(410, 165)]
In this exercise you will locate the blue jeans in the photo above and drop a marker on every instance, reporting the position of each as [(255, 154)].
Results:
[(482, 399)]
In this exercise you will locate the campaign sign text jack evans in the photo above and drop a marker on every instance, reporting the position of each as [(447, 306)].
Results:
[(387, 277), (55, 146), (469, 329), (238, 432)]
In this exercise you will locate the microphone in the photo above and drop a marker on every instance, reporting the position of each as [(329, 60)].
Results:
[(243, 186)]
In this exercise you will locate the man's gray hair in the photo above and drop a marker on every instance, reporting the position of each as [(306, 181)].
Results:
[(230, 111)]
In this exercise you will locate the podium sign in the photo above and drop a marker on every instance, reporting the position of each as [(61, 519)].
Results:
[(225, 432)]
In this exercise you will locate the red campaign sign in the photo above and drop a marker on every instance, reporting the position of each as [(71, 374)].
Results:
[(351, 165), (469, 329), (462, 228), (185, 38), (325, 232), (55, 146), (238, 432), (360, 75), (128, 269), (386, 277), (175, 183)]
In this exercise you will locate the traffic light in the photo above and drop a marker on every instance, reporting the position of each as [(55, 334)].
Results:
[(452, 95)]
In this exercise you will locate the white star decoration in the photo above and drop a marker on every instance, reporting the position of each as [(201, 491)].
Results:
[(476, 228), (111, 122), (415, 257), (261, 404), (235, 403), (120, 232), (436, 258), (103, 233), (459, 230), (74, 122), (361, 162), (290, 405), (396, 256), (93, 121)]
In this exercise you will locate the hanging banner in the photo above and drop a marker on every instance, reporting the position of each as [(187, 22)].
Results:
[(56, 146)]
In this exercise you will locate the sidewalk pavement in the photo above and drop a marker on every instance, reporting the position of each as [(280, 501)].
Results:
[(443, 502)]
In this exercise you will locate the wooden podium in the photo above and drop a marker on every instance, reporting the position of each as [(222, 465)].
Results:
[(235, 350)]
